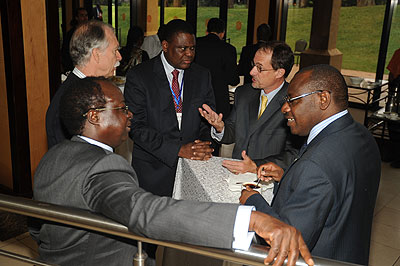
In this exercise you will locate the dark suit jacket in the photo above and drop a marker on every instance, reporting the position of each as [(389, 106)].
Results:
[(246, 57), (329, 193), (264, 139), (220, 58), (78, 174), (156, 136), (54, 127)]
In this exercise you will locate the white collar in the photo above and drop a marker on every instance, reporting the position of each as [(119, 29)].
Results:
[(97, 143)]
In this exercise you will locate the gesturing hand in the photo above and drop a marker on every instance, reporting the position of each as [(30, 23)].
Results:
[(197, 150), (285, 240), (212, 117), (240, 167), (270, 171)]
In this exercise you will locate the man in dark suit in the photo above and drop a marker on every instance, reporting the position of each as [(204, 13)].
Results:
[(219, 57), (256, 125), (248, 52), (329, 191), (94, 52), (164, 94), (85, 173)]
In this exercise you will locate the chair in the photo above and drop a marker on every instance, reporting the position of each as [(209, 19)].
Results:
[(299, 47)]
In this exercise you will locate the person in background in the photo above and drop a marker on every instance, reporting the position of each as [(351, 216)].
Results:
[(394, 88), (94, 52), (329, 191), (80, 16), (248, 52), (219, 57), (97, 13), (152, 43), (132, 54), (85, 173), (255, 124)]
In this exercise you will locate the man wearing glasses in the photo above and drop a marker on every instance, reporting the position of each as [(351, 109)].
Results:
[(330, 189), (256, 125)]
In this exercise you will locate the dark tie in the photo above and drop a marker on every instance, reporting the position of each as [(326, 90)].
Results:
[(302, 150), (177, 92)]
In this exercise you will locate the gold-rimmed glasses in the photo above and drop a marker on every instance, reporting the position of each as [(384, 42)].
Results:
[(123, 108), (259, 67)]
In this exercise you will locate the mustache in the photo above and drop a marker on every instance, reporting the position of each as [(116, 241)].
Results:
[(117, 64)]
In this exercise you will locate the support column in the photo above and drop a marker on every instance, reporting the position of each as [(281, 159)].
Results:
[(324, 29)]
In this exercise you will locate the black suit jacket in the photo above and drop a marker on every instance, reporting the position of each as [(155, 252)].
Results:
[(155, 133), (220, 58), (56, 131), (329, 193), (264, 139), (246, 57)]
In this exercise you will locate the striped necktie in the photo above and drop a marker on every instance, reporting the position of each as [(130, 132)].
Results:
[(264, 101), (177, 92)]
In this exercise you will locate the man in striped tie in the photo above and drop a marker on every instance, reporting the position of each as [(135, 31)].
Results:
[(255, 124)]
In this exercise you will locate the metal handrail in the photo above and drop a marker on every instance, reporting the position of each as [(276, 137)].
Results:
[(91, 221)]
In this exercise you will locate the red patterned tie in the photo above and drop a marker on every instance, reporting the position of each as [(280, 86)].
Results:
[(177, 92)]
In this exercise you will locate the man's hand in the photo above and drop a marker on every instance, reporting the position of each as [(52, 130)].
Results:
[(285, 241), (270, 171), (212, 117), (197, 150), (246, 193), (240, 167)]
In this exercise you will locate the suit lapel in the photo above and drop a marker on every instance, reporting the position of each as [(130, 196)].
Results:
[(336, 125), (273, 107)]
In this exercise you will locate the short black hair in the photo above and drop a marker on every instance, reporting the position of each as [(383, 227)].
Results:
[(282, 55), (326, 77), (216, 25), (263, 32), (79, 97), (174, 27)]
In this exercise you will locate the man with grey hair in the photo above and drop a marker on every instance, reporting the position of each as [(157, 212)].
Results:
[(94, 52)]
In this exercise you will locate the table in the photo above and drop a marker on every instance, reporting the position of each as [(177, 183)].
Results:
[(207, 181), (372, 89), (379, 120)]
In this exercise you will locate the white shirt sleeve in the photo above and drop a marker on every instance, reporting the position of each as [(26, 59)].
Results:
[(241, 236), (215, 135)]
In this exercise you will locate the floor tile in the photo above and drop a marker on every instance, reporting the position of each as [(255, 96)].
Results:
[(397, 262), (381, 255), (394, 203), (18, 248), (386, 235), (30, 243), (388, 216), (7, 242)]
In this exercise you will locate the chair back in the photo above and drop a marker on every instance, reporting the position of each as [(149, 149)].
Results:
[(300, 45)]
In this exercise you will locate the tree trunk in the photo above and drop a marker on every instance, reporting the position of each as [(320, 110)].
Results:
[(177, 3), (230, 3), (365, 2)]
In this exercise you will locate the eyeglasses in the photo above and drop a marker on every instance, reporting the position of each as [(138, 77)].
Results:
[(259, 67), (290, 100), (123, 108)]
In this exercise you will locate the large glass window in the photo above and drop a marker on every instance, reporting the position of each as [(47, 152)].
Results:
[(174, 9), (298, 23), (123, 20), (206, 9), (359, 35), (237, 24), (394, 39)]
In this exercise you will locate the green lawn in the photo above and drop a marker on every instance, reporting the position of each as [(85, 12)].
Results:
[(358, 37)]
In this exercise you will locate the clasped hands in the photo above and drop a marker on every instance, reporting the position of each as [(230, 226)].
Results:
[(197, 150)]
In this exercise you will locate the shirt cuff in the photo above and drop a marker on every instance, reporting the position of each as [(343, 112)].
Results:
[(215, 135), (241, 236)]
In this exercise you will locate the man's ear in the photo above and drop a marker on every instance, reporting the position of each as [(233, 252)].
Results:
[(93, 117), (164, 45), (325, 99), (96, 55), (280, 73)]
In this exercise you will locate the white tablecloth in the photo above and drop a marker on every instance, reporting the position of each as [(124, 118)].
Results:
[(206, 181)]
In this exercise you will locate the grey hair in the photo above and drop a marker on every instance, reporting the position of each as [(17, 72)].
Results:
[(86, 37)]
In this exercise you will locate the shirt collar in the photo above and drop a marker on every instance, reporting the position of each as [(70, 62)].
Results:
[(271, 94), (97, 143), (167, 67), (78, 73), (321, 125)]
